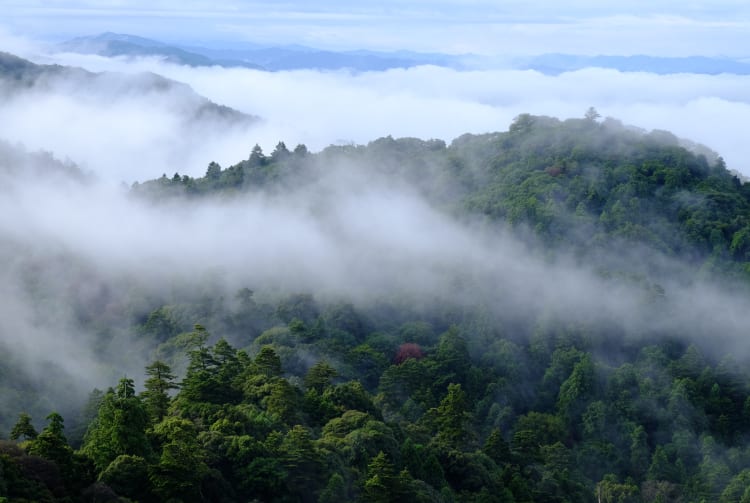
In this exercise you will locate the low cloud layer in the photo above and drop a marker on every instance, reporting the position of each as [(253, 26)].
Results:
[(136, 138), (350, 235)]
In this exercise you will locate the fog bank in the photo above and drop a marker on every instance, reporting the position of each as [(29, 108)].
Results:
[(321, 108)]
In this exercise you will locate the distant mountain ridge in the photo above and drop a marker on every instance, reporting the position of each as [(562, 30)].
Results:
[(298, 57), (291, 57), (114, 44)]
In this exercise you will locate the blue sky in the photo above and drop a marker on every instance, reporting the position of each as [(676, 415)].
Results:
[(676, 28)]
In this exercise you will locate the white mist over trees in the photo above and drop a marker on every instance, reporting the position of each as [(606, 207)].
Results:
[(321, 108)]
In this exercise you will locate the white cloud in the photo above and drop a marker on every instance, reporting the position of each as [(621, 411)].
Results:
[(320, 108)]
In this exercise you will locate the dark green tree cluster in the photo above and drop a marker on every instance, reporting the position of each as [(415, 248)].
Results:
[(547, 417), (259, 170)]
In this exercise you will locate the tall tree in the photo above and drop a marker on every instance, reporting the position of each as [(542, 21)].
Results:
[(200, 378), (319, 376), (453, 416), (119, 427), (267, 362), (158, 384), (23, 428), (51, 442), (181, 467)]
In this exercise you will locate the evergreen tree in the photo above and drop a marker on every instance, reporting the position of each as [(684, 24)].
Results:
[(23, 428), (319, 376), (267, 363), (119, 428), (452, 417), (181, 467), (51, 442), (159, 382), (381, 484)]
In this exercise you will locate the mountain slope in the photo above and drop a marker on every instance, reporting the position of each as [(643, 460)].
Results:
[(576, 185), (18, 75)]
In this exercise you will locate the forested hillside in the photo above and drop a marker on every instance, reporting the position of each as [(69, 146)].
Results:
[(586, 344), (576, 185)]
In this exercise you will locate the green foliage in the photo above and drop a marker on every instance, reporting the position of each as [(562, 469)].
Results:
[(51, 443), (158, 384), (381, 484), (452, 416), (609, 490), (319, 376), (267, 363), (128, 476), (119, 428), (535, 430), (334, 491), (23, 428), (181, 466)]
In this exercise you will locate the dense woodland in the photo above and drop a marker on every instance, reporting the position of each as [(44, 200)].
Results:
[(294, 397)]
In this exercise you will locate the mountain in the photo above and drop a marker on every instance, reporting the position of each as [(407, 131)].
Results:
[(297, 57), (554, 64), (18, 75), (113, 44), (15, 71), (291, 57)]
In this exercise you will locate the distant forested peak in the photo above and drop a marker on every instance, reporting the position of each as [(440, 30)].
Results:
[(16, 161), (582, 185)]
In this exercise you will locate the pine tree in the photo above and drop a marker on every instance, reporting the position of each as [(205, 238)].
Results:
[(23, 428), (158, 384), (119, 428), (452, 416)]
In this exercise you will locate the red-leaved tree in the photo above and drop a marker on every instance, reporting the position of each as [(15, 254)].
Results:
[(406, 351)]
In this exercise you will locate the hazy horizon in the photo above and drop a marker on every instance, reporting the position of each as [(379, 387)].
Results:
[(448, 26)]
